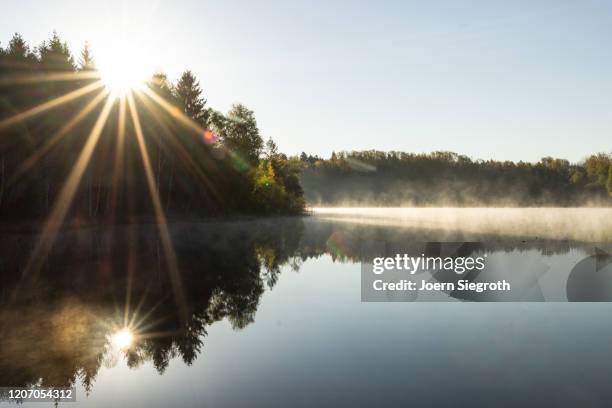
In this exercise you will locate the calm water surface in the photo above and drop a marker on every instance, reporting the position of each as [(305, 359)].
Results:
[(268, 313)]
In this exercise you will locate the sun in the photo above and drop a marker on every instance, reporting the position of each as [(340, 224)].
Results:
[(119, 80), (123, 69)]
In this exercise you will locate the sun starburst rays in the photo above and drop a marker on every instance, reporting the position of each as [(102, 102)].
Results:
[(51, 104), (64, 200), (169, 254), (157, 111), (50, 143), (21, 79), (175, 112), (103, 102)]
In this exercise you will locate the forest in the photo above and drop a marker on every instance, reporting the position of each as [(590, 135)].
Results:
[(70, 149), (376, 178)]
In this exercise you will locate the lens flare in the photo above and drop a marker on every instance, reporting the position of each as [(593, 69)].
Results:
[(210, 137)]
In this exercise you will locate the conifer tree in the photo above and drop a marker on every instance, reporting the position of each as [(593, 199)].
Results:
[(86, 62), (55, 55), (189, 94), (17, 47)]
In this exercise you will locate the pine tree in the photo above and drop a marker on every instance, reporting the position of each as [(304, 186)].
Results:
[(17, 48), (86, 62), (160, 84), (189, 94), (55, 55)]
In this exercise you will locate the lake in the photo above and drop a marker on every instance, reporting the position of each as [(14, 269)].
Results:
[(268, 312)]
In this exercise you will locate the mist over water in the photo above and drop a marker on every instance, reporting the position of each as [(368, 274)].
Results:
[(575, 224), (275, 314)]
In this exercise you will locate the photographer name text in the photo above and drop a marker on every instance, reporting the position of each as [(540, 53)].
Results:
[(411, 265), (424, 285)]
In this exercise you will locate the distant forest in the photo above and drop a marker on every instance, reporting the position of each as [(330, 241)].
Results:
[(52, 141), (448, 179)]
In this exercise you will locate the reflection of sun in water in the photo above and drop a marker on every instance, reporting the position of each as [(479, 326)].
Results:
[(122, 339)]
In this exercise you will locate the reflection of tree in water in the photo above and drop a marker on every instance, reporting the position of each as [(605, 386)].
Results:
[(352, 242), (55, 324)]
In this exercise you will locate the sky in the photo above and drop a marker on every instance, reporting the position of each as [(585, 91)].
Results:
[(515, 80)]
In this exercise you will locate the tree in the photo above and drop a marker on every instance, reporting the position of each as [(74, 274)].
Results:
[(597, 168), (446, 177), (17, 48), (55, 55), (216, 121), (86, 62), (191, 176), (241, 134), (189, 95), (271, 149), (160, 84), (610, 180)]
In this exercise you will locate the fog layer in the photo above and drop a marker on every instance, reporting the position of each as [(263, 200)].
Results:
[(577, 224)]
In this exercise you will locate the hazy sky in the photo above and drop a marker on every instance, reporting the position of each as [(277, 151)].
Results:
[(490, 79)]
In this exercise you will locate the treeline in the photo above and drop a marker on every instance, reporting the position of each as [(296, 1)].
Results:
[(202, 162), (443, 178)]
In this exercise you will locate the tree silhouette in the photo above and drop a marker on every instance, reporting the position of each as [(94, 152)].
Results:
[(189, 95), (86, 62), (55, 55), (19, 50)]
